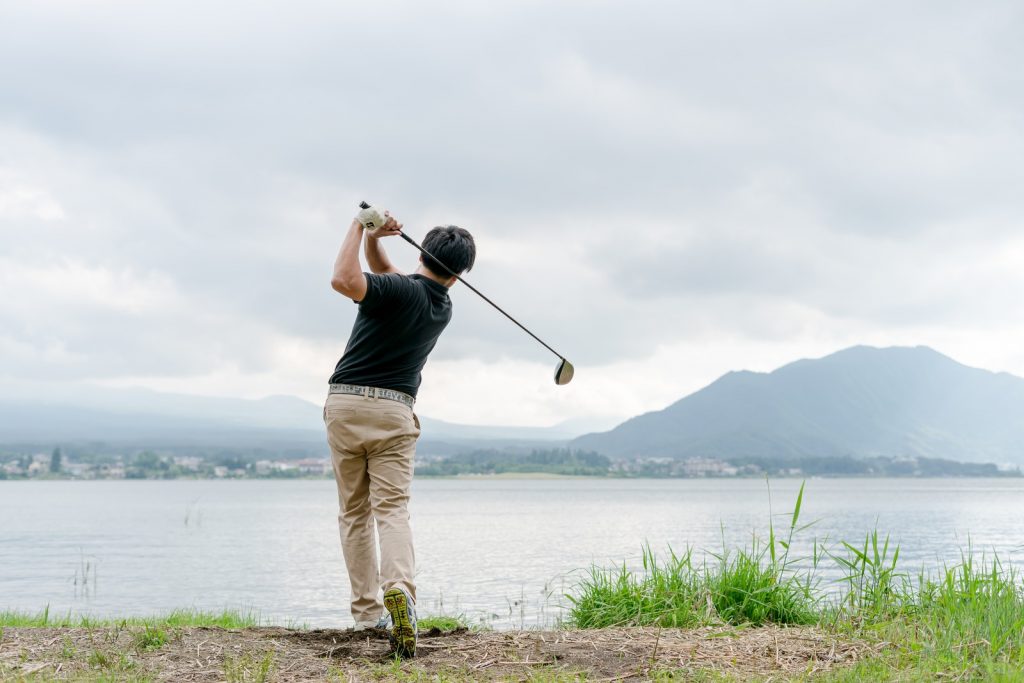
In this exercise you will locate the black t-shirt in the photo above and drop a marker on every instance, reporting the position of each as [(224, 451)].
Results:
[(399, 321)]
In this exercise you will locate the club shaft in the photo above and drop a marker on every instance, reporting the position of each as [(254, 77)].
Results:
[(479, 293)]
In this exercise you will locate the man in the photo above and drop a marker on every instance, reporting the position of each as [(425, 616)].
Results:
[(371, 427)]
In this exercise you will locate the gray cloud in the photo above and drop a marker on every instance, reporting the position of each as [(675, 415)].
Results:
[(637, 175)]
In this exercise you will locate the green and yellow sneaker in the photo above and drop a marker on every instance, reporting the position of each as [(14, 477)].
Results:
[(403, 622)]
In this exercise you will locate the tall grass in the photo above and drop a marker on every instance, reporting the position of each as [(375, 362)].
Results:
[(669, 594), (965, 620), (870, 574), (972, 615), (755, 585)]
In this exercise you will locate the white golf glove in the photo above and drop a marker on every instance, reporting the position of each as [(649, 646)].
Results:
[(371, 218)]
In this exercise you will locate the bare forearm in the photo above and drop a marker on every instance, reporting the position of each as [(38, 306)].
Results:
[(376, 257), (348, 276)]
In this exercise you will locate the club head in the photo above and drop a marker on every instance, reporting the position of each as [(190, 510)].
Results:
[(563, 373)]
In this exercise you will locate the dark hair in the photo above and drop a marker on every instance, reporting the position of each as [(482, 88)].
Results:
[(453, 246)]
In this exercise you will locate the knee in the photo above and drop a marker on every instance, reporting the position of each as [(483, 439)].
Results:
[(391, 517), (354, 520)]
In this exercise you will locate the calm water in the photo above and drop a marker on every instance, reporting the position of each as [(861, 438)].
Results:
[(500, 551)]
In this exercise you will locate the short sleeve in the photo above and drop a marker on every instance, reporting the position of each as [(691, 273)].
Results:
[(384, 291)]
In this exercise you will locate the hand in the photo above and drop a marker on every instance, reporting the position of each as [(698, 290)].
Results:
[(371, 218), (391, 227)]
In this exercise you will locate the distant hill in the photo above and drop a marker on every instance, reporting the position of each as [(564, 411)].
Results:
[(862, 401), (284, 424)]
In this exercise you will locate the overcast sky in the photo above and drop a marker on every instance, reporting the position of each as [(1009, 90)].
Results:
[(663, 191)]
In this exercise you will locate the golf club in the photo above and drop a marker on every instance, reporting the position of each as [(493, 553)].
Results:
[(564, 371)]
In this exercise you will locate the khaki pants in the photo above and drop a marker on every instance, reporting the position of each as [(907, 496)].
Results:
[(373, 442)]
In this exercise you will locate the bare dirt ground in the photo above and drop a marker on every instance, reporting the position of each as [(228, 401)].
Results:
[(280, 654)]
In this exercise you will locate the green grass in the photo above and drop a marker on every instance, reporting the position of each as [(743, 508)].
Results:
[(110, 661), (740, 587), (964, 621), (755, 585), (177, 618), (154, 629), (249, 668), (967, 622), (444, 624), (150, 638), (666, 594), (745, 589)]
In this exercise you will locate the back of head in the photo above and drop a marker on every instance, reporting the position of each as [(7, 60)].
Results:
[(453, 246)]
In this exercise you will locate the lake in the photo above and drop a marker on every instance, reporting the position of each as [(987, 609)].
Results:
[(499, 551)]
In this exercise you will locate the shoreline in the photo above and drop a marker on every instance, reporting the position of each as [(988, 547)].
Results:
[(551, 475)]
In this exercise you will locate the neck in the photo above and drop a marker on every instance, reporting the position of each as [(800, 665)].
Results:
[(425, 272)]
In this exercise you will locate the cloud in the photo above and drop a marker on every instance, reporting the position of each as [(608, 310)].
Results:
[(662, 192), (19, 201)]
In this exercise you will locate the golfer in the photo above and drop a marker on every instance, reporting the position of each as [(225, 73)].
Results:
[(371, 426)]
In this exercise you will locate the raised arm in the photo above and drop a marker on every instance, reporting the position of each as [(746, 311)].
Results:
[(376, 257), (348, 278)]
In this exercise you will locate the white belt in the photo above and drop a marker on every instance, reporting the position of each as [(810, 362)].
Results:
[(373, 392)]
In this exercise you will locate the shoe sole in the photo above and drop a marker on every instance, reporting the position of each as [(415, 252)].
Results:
[(403, 635)]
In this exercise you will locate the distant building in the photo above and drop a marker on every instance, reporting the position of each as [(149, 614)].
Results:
[(77, 470), (313, 466), (188, 462), (706, 467), (112, 471), (13, 469)]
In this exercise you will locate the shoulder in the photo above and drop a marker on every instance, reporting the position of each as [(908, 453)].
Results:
[(385, 288), (389, 279)]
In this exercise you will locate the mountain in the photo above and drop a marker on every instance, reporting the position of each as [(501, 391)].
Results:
[(151, 419), (862, 401), (563, 431)]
